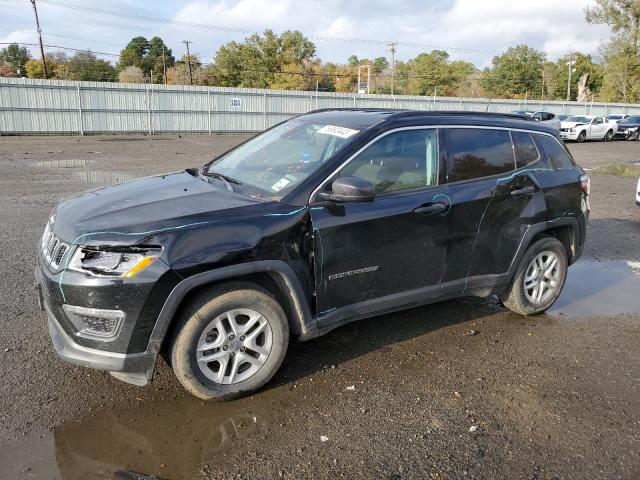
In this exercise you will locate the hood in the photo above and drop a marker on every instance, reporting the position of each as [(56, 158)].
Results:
[(150, 204), (570, 124)]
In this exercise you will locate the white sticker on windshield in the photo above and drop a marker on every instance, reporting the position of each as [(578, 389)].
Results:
[(341, 132), (280, 184)]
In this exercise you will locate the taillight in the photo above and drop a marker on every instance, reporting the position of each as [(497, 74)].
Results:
[(585, 184)]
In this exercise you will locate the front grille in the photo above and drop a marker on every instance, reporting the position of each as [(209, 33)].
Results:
[(53, 250)]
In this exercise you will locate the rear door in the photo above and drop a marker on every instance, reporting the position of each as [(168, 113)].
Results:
[(491, 197), (365, 251)]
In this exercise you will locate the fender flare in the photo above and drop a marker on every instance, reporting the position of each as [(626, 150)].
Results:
[(537, 228), (303, 322)]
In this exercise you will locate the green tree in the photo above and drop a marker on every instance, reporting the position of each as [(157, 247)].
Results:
[(353, 61), (556, 75), (621, 78), (514, 73), (15, 55), (155, 60), (86, 66), (433, 72), (262, 60), (622, 15), (134, 54)]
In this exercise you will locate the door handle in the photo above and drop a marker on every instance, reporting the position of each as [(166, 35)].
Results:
[(523, 191), (430, 209)]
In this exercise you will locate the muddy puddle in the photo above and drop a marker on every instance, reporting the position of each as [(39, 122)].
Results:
[(600, 288), (170, 440)]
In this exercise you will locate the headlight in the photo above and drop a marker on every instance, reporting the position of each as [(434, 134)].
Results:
[(632, 129), (573, 130), (116, 262)]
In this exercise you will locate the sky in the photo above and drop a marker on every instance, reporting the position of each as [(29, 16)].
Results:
[(471, 30)]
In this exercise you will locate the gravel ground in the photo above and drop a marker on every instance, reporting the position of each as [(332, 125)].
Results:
[(461, 389)]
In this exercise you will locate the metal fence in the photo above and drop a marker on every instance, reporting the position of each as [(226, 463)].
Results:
[(67, 107)]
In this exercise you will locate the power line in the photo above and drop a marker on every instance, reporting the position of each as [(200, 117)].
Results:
[(222, 28)]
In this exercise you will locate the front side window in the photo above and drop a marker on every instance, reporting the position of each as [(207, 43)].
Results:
[(273, 163), (597, 121), (554, 151), (524, 149), (399, 161), (475, 153)]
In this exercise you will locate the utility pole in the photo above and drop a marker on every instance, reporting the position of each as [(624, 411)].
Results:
[(187, 42), (392, 46), (570, 64), (44, 64)]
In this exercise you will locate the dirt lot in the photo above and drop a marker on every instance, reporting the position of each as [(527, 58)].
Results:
[(414, 394)]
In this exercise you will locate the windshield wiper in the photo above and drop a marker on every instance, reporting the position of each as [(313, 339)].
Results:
[(225, 178)]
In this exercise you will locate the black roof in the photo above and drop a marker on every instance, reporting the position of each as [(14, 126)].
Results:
[(368, 117)]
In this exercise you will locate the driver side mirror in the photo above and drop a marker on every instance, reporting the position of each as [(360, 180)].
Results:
[(349, 189)]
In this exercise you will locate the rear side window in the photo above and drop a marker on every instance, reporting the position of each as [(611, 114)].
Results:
[(553, 150), (476, 153), (524, 148)]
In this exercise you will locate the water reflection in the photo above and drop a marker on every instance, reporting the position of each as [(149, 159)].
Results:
[(169, 440), (602, 288), (103, 177), (64, 163)]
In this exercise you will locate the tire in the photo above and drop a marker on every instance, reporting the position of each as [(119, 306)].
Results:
[(211, 319), (608, 136), (582, 136), (517, 298), (638, 136)]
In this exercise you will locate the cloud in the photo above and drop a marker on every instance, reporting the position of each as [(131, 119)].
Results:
[(472, 30)]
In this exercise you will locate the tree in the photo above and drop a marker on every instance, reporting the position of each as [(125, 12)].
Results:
[(33, 68), (621, 78), (134, 54), (261, 60), (8, 69), (15, 55), (179, 74), (353, 61), (514, 73), (86, 66), (131, 74), (622, 15), (556, 76), (155, 60), (433, 72)]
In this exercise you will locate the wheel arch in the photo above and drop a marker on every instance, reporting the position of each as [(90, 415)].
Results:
[(275, 276), (565, 229)]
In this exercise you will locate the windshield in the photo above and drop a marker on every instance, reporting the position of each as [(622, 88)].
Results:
[(271, 164), (578, 119), (630, 120)]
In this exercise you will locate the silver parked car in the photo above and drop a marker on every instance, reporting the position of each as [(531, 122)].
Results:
[(548, 118)]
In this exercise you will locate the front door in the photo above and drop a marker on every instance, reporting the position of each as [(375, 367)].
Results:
[(393, 245), (597, 128)]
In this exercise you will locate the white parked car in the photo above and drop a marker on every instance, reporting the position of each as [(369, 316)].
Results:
[(638, 193), (587, 127), (548, 118)]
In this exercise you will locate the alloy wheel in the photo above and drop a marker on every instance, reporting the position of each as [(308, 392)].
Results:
[(542, 278), (234, 346)]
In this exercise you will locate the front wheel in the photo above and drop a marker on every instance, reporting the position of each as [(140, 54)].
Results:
[(229, 341), (608, 136), (582, 136), (539, 278)]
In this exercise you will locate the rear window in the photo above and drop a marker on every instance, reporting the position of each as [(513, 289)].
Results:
[(524, 148), (554, 151), (476, 153)]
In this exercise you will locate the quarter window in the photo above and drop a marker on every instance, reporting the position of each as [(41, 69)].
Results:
[(402, 160), (556, 154), (524, 149), (476, 153)]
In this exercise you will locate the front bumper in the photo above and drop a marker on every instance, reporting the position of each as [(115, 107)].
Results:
[(136, 368), (127, 356), (569, 135), (624, 134)]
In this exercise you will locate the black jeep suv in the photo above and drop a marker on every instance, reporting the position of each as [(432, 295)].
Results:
[(327, 218)]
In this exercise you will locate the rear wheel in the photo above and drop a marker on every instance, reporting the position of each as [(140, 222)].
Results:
[(637, 136), (539, 278), (582, 136), (608, 136), (229, 342)]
